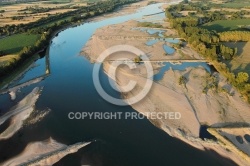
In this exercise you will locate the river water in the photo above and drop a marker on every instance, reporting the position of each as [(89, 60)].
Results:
[(69, 88)]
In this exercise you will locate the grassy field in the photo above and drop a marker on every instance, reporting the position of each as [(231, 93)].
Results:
[(237, 5), (226, 25), (15, 43)]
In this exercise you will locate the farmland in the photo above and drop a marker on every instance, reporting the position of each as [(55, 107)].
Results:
[(237, 5), (13, 44), (33, 11), (227, 25)]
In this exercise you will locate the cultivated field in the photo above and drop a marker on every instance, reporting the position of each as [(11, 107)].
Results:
[(238, 5), (15, 43), (25, 15), (227, 25)]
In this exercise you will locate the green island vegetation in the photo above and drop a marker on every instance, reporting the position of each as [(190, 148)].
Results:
[(213, 43), (149, 24), (182, 80), (20, 42), (138, 59)]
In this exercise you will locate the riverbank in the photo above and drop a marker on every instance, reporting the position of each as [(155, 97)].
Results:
[(203, 98)]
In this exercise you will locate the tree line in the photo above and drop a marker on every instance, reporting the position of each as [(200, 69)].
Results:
[(81, 13), (234, 36)]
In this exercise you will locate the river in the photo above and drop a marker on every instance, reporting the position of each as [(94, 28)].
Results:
[(69, 88)]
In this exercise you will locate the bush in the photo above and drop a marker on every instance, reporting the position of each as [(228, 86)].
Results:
[(137, 59)]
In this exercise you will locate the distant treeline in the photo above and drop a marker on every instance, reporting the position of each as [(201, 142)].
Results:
[(33, 10), (79, 14), (208, 15), (9, 2)]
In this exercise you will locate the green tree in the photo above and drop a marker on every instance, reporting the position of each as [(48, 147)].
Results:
[(182, 80), (242, 77), (137, 59)]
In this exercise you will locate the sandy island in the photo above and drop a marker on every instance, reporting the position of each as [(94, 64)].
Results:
[(203, 98), (19, 114), (46, 152)]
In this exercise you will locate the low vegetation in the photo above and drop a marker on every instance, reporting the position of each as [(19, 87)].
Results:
[(137, 59), (182, 80), (149, 24)]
